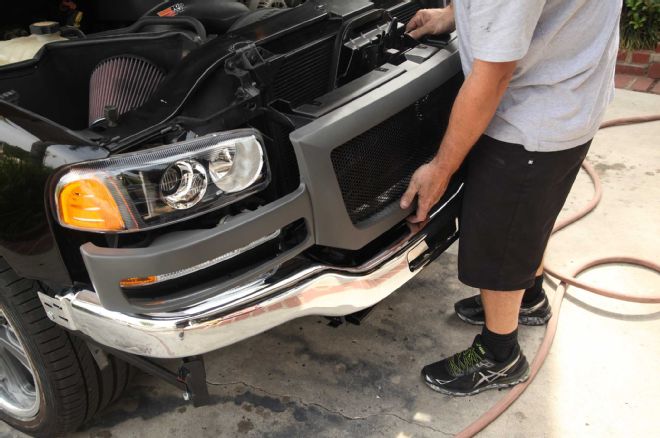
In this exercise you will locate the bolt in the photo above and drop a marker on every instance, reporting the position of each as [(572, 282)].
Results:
[(186, 396)]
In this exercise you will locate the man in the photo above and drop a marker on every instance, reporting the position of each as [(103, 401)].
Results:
[(538, 76)]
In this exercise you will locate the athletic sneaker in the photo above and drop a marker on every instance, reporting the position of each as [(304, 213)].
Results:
[(471, 311), (475, 370)]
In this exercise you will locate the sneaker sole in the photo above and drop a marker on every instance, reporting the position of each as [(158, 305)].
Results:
[(522, 319), (482, 389), (534, 320)]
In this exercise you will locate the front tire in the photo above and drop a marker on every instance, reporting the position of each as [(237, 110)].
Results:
[(50, 383)]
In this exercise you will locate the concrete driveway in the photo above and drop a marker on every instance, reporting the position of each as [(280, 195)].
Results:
[(308, 379)]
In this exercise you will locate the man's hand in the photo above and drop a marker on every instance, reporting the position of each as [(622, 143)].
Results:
[(431, 22), (428, 183), (473, 110)]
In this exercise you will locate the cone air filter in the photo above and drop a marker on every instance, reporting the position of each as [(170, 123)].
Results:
[(125, 82)]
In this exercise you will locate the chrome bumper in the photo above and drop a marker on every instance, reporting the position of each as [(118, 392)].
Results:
[(207, 326)]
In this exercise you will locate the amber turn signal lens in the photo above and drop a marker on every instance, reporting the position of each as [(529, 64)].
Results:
[(137, 281), (88, 204)]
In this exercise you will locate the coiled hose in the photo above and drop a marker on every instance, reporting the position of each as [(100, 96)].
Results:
[(567, 280)]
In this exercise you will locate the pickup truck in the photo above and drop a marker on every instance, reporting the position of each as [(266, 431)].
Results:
[(178, 176)]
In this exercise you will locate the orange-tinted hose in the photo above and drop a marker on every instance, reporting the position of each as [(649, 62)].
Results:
[(567, 280)]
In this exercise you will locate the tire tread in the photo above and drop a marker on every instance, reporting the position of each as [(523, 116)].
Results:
[(79, 388)]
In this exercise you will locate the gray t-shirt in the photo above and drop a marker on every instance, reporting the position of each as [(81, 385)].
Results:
[(566, 52)]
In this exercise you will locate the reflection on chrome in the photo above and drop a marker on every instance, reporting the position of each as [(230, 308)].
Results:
[(243, 312)]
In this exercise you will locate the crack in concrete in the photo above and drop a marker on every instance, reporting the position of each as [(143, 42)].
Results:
[(325, 408)]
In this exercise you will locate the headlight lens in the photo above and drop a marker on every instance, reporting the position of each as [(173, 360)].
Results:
[(234, 170), (184, 184), (151, 188)]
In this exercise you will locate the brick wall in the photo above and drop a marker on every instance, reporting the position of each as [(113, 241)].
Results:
[(639, 70)]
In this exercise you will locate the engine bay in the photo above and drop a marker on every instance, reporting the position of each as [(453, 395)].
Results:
[(93, 16), (111, 84)]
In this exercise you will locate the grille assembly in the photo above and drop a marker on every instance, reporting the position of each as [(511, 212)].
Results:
[(123, 82), (373, 169)]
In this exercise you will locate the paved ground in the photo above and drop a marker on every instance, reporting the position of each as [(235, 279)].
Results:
[(306, 379)]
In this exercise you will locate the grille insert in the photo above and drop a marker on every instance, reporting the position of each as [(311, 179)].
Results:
[(373, 169)]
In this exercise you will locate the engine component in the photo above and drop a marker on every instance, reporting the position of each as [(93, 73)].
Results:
[(123, 82), (366, 47), (259, 4), (217, 16), (255, 16), (24, 48)]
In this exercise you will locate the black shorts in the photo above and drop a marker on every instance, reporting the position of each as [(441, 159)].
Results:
[(512, 199)]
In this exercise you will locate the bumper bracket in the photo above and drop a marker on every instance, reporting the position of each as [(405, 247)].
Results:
[(190, 376)]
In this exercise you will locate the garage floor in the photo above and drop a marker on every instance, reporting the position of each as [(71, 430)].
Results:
[(307, 379)]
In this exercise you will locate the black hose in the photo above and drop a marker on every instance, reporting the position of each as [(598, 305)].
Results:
[(189, 22)]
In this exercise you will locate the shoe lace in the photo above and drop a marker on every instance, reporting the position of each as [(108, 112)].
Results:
[(463, 361)]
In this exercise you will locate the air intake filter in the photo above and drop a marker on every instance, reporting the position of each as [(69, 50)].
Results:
[(125, 82)]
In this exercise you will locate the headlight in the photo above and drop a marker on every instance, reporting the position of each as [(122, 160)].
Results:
[(147, 189)]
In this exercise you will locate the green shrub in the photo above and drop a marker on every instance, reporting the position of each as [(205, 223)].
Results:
[(640, 24)]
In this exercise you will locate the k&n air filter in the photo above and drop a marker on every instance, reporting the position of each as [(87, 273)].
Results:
[(125, 82)]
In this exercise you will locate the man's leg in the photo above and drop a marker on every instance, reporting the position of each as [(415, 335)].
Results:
[(500, 333), (501, 310), (533, 298), (535, 308), (494, 360), (512, 198)]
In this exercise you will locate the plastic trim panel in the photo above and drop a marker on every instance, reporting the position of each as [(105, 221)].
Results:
[(315, 141)]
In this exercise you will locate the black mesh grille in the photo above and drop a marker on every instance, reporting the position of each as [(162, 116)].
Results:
[(305, 75), (374, 169)]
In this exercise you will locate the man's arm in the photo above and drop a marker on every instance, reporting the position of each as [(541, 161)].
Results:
[(471, 114)]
